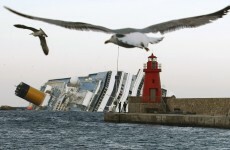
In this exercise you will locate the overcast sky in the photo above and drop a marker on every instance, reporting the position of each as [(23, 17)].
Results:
[(195, 62)]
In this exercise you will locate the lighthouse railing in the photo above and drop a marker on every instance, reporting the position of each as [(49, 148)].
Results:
[(145, 66), (159, 66)]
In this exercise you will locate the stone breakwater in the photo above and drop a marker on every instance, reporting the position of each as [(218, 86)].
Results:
[(202, 106), (200, 112), (170, 119)]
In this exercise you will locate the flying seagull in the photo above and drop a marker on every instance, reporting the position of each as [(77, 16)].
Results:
[(131, 37), (40, 33)]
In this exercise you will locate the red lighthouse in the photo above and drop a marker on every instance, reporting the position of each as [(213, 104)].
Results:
[(152, 83)]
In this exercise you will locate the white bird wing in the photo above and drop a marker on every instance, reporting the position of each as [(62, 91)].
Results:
[(44, 45), (190, 22), (161, 27)]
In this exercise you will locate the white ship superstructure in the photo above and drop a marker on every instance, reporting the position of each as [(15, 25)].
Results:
[(96, 92), (109, 88)]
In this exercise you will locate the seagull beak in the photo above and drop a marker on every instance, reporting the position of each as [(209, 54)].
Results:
[(108, 41)]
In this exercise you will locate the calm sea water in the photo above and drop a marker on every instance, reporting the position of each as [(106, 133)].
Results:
[(84, 130)]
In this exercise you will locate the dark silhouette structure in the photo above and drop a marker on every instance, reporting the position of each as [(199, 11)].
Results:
[(124, 106), (119, 107)]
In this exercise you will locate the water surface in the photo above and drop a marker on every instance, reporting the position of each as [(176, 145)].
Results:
[(84, 130)]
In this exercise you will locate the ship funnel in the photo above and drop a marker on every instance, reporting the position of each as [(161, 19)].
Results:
[(30, 94)]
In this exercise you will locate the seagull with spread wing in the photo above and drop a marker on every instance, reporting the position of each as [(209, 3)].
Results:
[(131, 37), (37, 33)]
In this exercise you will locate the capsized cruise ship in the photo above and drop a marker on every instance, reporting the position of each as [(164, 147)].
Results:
[(97, 92)]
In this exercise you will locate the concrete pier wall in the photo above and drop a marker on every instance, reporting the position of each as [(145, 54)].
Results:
[(200, 106), (170, 119), (136, 106), (203, 106), (200, 112)]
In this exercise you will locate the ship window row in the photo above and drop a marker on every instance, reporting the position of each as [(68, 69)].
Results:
[(104, 90)]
